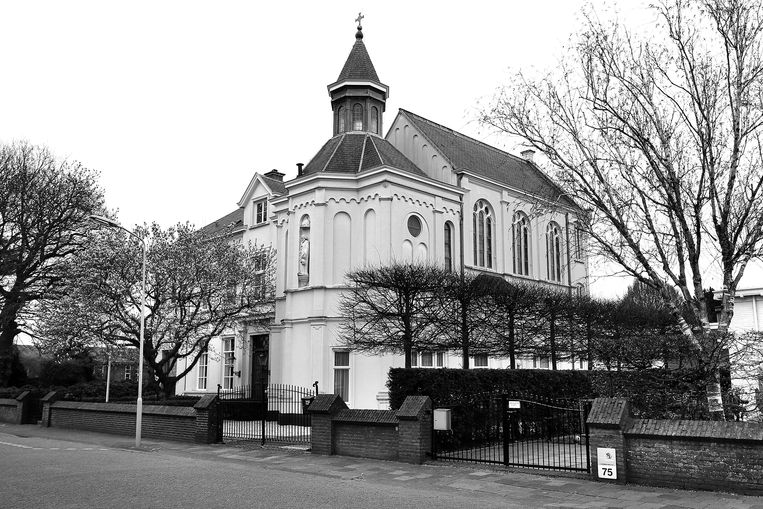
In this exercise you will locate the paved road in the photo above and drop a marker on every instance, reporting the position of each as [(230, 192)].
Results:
[(44, 467)]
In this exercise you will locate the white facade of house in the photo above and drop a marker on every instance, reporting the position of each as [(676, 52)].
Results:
[(415, 195)]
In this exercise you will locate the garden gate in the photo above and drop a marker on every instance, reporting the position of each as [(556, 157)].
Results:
[(522, 431), (274, 412)]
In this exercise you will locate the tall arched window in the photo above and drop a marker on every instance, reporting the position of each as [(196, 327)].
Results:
[(340, 115), (357, 117), (483, 235), (521, 242), (554, 252), (374, 120), (448, 244)]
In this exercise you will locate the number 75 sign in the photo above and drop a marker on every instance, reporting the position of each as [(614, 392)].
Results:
[(607, 463)]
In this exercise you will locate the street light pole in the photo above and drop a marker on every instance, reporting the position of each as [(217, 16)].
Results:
[(104, 221)]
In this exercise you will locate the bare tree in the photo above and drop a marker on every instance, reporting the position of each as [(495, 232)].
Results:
[(660, 137), (392, 308), (44, 205), (197, 288)]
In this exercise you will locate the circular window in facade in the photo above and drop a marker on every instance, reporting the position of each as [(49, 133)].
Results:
[(414, 226)]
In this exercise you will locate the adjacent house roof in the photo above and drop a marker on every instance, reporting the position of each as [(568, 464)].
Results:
[(276, 186), (468, 154), (353, 152), (234, 221)]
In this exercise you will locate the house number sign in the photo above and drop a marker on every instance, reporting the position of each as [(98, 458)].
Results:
[(607, 462)]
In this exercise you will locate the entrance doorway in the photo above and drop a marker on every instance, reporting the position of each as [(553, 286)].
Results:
[(260, 362)]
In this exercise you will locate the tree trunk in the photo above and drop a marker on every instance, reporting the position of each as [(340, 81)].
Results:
[(9, 329), (588, 336), (552, 338), (464, 337), (512, 346)]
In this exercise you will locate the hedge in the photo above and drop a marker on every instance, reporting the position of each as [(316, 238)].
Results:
[(654, 393)]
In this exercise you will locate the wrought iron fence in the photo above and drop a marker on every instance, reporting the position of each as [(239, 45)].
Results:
[(516, 430), (274, 412)]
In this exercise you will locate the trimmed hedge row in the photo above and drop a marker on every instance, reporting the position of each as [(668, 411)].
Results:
[(654, 393)]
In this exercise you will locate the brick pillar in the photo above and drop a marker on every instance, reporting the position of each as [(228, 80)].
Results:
[(322, 410), (48, 400), (23, 403), (207, 431), (414, 429), (606, 422)]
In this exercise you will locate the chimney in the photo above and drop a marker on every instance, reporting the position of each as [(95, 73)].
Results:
[(275, 175), (299, 169), (528, 154)]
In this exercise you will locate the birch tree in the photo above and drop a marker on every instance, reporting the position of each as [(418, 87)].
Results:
[(658, 133)]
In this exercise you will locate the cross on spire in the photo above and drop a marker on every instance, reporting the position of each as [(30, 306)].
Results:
[(359, 19)]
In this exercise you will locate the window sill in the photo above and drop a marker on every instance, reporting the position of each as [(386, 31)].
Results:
[(258, 225)]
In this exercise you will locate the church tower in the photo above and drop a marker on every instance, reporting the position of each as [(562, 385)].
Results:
[(358, 98)]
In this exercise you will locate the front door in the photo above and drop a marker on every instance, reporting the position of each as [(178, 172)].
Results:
[(260, 360)]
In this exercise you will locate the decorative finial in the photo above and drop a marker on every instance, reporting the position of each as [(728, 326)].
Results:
[(359, 34)]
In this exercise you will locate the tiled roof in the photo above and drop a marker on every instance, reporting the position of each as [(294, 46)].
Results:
[(358, 66), (353, 152), (465, 153), (277, 186), (234, 220)]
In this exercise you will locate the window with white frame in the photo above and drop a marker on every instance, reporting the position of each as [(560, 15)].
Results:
[(540, 362), (342, 374), (427, 359), (129, 371), (203, 365), (260, 273), (480, 360), (357, 117), (554, 252), (520, 231), (448, 245), (229, 361), (261, 211), (578, 240), (482, 222)]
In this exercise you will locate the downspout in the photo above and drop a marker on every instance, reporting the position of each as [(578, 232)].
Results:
[(567, 249)]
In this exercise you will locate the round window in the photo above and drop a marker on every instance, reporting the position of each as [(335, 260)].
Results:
[(414, 225)]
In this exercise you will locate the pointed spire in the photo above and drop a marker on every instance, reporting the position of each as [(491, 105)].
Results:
[(358, 65)]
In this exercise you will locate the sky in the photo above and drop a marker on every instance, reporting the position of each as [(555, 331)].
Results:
[(178, 103)]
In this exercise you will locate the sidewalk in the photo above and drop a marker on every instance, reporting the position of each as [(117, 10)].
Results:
[(520, 487)]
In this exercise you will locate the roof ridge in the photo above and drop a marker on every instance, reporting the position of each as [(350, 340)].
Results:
[(339, 143), (381, 159), (462, 135), (362, 153)]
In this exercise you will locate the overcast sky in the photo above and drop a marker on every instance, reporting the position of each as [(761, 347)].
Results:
[(178, 103)]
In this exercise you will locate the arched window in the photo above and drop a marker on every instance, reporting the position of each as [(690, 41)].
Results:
[(448, 241), (357, 117), (554, 252), (374, 120), (483, 235), (521, 242), (340, 115)]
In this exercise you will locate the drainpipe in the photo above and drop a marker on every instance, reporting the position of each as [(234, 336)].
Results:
[(461, 225), (567, 249)]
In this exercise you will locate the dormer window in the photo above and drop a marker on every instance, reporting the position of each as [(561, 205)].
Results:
[(261, 212), (357, 117)]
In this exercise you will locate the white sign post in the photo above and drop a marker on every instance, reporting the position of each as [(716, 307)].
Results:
[(607, 462)]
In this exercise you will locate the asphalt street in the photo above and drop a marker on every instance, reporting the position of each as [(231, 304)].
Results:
[(43, 467)]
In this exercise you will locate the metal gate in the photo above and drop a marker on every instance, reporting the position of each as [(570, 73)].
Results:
[(275, 412), (529, 432)]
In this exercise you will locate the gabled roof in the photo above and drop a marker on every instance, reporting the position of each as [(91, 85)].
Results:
[(353, 152), (467, 154), (234, 221), (277, 187)]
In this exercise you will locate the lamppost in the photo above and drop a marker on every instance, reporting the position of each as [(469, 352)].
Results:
[(104, 221)]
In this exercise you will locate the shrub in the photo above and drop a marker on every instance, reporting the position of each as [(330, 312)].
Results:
[(653, 393), (66, 373)]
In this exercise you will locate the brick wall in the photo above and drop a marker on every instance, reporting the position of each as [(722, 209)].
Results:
[(703, 455), (404, 435), (197, 424), (8, 412), (167, 423)]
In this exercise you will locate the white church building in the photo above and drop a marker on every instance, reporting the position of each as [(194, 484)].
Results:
[(422, 192)]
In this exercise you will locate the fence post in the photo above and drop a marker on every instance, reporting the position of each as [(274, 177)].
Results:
[(505, 428), (264, 407)]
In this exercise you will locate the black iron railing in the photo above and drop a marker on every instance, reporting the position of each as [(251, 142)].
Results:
[(516, 431), (265, 412)]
